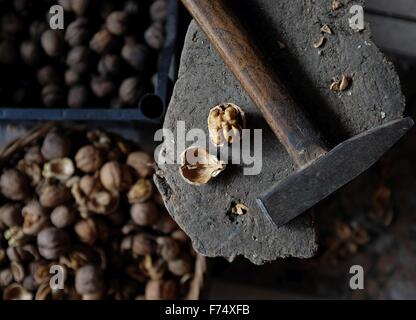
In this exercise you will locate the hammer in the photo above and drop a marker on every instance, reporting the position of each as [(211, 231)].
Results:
[(320, 171)]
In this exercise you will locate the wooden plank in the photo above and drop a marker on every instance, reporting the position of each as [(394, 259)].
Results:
[(393, 35), (404, 8)]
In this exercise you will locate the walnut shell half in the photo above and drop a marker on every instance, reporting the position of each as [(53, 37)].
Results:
[(225, 123), (198, 167)]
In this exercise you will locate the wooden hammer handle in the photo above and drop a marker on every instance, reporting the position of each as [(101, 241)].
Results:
[(301, 140)]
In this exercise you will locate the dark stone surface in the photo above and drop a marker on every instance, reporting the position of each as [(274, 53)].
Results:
[(204, 81)]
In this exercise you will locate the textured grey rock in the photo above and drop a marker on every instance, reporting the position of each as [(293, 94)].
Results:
[(204, 81)]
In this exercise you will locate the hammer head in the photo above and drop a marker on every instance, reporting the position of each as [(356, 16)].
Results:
[(303, 189)]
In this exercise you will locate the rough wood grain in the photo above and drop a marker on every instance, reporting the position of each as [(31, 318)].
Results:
[(373, 98)]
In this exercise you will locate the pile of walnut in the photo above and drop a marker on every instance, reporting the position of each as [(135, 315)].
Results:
[(106, 55), (85, 201)]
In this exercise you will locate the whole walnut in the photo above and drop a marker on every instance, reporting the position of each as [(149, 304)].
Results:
[(48, 75), (131, 89), (89, 159), (89, 185), (66, 4), (115, 176), (144, 214), (8, 53), (78, 32), (14, 185), (118, 23), (168, 248), (53, 43), (31, 53), (86, 230), (180, 266), (141, 162), (11, 24), (165, 224), (136, 55), (55, 146), (78, 96), (79, 59), (35, 218), (161, 290), (53, 196), (62, 217), (103, 41), (52, 243), (102, 87), (143, 244), (53, 95), (10, 215), (159, 10), (90, 281), (72, 77), (155, 36), (110, 65)]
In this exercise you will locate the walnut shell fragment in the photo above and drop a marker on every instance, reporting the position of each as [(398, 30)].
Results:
[(319, 43), (198, 167), (326, 29), (225, 123)]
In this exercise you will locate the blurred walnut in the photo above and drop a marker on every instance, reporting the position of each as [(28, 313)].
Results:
[(225, 123), (53, 42), (52, 196), (161, 290), (48, 75), (136, 55), (6, 278), (10, 215), (89, 159), (159, 10), (180, 266), (103, 202), (72, 77), (90, 185), (16, 292), (35, 218), (18, 271), (11, 24), (66, 5), (59, 169), (78, 96), (131, 89), (143, 244), (8, 53), (31, 53), (87, 231), (78, 32), (153, 267), (144, 214), (118, 23), (14, 185), (155, 36), (53, 95), (141, 191), (55, 146), (18, 254), (79, 59), (52, 242), (102, 87), (90, 282), (168, 248), (103, 41), (81, 7), (115, 176), (62, 217), (141, 162), (110, 65), (199, 167)]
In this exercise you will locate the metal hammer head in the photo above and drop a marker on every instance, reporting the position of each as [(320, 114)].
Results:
[(301, 190)]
